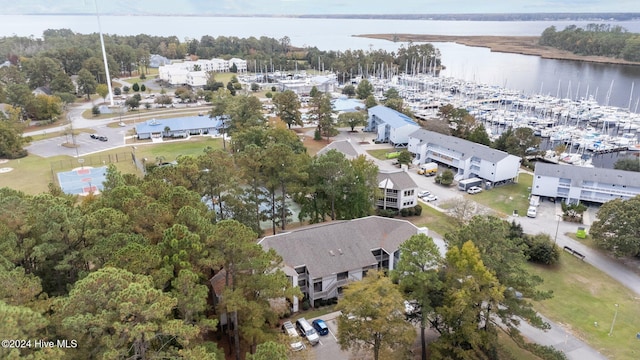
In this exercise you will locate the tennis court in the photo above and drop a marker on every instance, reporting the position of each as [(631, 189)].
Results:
[(82, 181)]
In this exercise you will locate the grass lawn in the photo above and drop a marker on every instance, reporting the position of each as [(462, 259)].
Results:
[(584, 296), (434, 220), (510, 350), (380, 153), (32, 174), (171, 150), (507, 198)]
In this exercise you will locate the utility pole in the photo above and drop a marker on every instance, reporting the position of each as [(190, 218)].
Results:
[(615, 315)]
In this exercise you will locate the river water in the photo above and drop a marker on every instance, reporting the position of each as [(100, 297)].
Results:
[(609, 84), (615, 85)]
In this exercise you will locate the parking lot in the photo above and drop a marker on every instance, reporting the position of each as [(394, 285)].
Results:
[(85, 144), (328, 347)]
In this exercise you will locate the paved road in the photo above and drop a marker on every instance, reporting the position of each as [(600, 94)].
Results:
[(557, 336), (117, 136), (547, 222), (574, 348)]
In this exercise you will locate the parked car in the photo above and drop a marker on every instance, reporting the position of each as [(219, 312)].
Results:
[(306, 330), (320, 326), (474, 190), (102, 138), (296, 344), (532, 211), (430, 198), (422, 194), (93, 136)]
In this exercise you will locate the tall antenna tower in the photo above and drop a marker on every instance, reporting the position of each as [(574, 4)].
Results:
[(104, 55)]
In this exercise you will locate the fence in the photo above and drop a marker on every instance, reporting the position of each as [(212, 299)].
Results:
[(93, 161)]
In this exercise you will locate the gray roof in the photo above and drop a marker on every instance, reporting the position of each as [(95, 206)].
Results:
[(465, 147), (578, 174), (346, 147), (339, 246), (400, 179)]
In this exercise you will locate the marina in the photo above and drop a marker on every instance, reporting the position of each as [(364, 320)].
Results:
[(578, 125)]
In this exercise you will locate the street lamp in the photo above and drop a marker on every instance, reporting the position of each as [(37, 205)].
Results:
[(615, 315)]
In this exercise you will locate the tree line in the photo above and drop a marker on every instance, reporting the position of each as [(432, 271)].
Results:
[(594, 40), (126, 54)]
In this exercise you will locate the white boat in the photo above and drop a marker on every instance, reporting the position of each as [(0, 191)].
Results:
[(573, 159)]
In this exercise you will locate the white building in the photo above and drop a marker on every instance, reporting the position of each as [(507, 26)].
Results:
[(241, 65), (390, 126), (177, 76), (469, 158), (577, 183), (219, 65), (399, 191), (197, 78), (176, 73)]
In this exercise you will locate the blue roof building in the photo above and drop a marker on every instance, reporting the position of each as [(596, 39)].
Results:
[(391, 126), (178, 127)]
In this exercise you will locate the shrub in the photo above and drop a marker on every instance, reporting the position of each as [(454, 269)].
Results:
[(306, 305), (386, 213), (573, 212), (541, 250), (445, 178), (417, 210), (407, 212)]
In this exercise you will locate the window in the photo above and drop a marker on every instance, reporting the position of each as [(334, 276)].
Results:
[(343, 276), (317, 285)]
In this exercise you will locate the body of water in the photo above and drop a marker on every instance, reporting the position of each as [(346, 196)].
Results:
[(608, 84), (616, 85)]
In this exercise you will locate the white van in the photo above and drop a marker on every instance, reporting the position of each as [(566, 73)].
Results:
[(307, 331), (532, 211)]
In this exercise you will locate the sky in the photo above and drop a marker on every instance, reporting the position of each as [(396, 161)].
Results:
[(314, 7)]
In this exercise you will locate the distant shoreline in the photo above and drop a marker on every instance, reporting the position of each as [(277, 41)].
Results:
[(524, 45), (543, 16)]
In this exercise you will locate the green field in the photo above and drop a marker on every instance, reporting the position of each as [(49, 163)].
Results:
[(32, 174), (584, 296), (507, 198)]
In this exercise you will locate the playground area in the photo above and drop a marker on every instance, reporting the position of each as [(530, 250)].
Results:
[(82, 181)]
